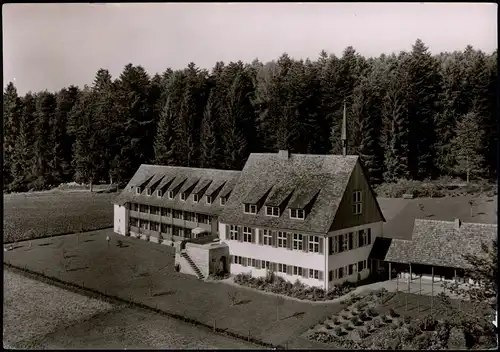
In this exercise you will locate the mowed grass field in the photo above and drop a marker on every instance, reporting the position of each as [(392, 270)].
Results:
[(144, 272), (37, 315), (42, 214)]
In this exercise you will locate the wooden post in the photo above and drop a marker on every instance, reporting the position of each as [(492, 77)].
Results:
[(390, 272), (432, 288), (410, 273)]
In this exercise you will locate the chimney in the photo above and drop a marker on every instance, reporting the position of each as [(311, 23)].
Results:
[(344, 133), (283, 154), (458, 223)]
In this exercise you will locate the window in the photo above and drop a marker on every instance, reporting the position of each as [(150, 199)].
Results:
[(314, 274), (335, 244), (341, 273), (297, 270), (298, 241), (209, 199), (282, 239), (233, 232), (254, 263), (266, 265), (183, 196), (170, 194), (351, 269), (166, 228), (148, 191), (138, 190), (196, 198), (272, 211), (155, 226), (134, 222), (247, 234), (369, 235), (351, 240), (314, 244), (145, 224), (143, 208), (223, 200), (250, 209), (166, 212), (155, 210), (178, 214), (134, 207), (189, 216), (268, 238), (345, 242), (364, 237), (297, 214), (357, 203), (361, 265), (330, 275), (159, 193), (282, 268), (237, 260)]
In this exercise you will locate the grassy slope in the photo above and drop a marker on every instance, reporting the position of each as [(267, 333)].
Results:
[(118, 271), (41, 316), (39, 214)]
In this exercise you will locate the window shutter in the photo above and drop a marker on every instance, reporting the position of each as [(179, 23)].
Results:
[(231, 258), (289, 240), (321, 241), (289, 269), (305, 272), (228, 233), (253, 235), (275, 238), (244, 261), (261, 237), (258, 263), (360, 238), (305, 241), (320, 275), (240, 234)]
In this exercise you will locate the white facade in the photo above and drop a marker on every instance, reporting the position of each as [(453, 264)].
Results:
[(298, 258), (120, 219)]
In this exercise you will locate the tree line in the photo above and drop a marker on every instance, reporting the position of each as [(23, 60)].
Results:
[(411, 115)]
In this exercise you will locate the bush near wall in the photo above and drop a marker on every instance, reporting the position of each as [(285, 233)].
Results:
[(276, 284)]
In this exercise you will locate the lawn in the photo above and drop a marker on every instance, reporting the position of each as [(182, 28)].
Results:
[(144, 272), (41, 316), (41, 214)]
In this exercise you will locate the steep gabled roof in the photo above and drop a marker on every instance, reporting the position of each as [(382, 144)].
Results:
[(439, 243), (305, 174), (181, 176)]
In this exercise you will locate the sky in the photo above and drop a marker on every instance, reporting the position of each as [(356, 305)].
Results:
[(50, 46)]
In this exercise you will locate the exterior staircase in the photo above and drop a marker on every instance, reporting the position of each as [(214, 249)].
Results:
[(193, 265)]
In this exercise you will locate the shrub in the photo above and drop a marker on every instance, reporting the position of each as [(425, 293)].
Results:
[(386, 318), (345, 325), (363, 316), (335, 320), (377, 322), (407, 319), (429, 323), (393, 313), (119, 243), (423, 341), (338, 330)]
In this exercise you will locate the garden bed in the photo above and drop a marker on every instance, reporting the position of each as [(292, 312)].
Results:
[(276, 284)]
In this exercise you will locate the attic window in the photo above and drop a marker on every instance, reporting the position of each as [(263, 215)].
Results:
[(250, 209), (138, 190), (209, 199), (272, 211), (159, 193), (223, 200), (170, 195), (196, 198), (297, 214), (148, 191), (183, 196), (357, 205)]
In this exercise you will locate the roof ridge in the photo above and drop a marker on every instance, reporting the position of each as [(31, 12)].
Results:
[(452, 221)]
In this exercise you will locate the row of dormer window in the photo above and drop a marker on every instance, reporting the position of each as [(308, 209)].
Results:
[(299, 214), (183, 196)]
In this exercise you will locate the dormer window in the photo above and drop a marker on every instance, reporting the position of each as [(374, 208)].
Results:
[(170, 194), (223, 200), (148, 191), (209, 199), (138, 190), (297, 214), (196, 198), (272, 211), (183, 196), (250, 209), (160, 193)]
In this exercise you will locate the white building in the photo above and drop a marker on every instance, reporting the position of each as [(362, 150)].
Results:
[(308, 217)]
